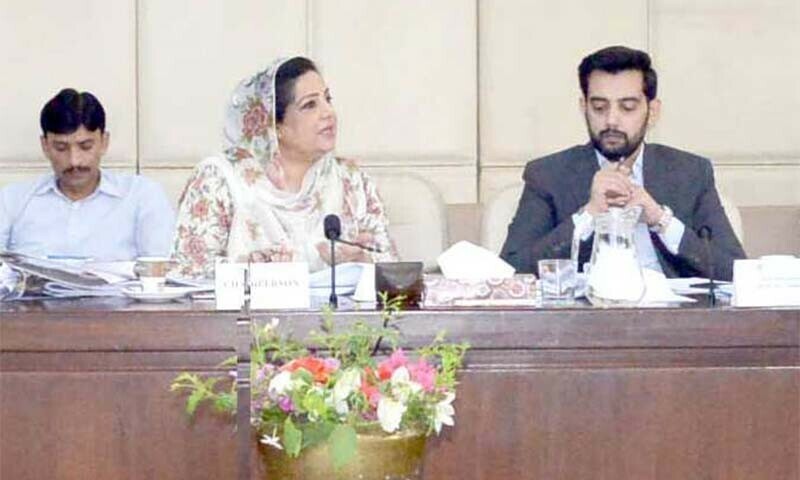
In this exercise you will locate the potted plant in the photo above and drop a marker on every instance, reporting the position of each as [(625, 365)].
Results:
[(342, 404)]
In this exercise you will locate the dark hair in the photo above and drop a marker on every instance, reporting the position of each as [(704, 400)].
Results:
[(69, 110), (285, 78), (617, 59)]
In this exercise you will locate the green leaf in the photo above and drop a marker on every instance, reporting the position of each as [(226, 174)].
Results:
[(292, 438), (316, 433), (225, 402), (342, 445), (194, 400), (314, 403), (304, 375)]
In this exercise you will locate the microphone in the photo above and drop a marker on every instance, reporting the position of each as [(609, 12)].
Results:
[(333, 229), (705, 234), (332, 226)]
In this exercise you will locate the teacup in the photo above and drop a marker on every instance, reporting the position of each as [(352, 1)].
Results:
[(152, 272)]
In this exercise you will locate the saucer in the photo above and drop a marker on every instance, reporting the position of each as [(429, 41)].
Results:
[(167, 294)]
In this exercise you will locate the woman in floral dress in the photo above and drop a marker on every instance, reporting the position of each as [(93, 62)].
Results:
[(264, 199)]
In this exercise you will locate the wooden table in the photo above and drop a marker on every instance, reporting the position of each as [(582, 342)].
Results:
[(690, 393)]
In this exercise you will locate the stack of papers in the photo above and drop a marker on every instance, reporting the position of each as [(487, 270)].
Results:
[(347, 278), (698, 286), (659, 291), (73, 279)]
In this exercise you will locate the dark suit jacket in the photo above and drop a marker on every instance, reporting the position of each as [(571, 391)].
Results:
[(557, 186)]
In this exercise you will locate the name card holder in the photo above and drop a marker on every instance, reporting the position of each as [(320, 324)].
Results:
[(273, 286), (771, 281)]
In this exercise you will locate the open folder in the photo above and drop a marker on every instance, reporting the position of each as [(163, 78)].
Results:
[(67, 280)]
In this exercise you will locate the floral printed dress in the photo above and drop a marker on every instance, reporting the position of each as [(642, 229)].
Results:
[(232, 209)]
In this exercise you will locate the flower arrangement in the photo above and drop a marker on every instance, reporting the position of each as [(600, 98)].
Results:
[(348, 383)]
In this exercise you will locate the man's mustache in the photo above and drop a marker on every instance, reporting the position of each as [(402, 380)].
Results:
[(606, 133), (71, 170)]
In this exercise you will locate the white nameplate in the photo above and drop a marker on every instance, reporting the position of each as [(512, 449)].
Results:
[(229, 285), (771, 281), (279, 285), (272, 285)]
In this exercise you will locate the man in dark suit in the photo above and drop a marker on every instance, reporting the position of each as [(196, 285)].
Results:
[(675, 189)]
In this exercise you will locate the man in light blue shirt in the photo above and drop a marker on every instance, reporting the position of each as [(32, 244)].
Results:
[(80, 210)]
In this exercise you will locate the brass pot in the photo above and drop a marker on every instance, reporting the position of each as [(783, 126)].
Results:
[(378, 457)]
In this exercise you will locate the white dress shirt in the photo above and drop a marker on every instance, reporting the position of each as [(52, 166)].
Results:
[(645, 251), (127, 216)]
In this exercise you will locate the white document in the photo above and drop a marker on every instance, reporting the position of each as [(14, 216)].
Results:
[(658, 292), (365, 291), (347, 278)]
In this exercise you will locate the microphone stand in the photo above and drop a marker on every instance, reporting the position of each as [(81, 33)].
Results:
[(712, 287), (333, 300), (243, 339), (705, 234)]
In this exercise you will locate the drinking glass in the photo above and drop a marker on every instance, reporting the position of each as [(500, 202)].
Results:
[(557, 278)]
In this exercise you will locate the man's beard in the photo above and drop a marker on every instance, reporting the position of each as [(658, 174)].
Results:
[(624, 149)]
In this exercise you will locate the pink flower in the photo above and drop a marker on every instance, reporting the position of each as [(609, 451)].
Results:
[(255, 121), (372, 393), (200, 209), (196, 249), (285, 404), (332, 363), (424, 374), (251, 175), (387, 367)]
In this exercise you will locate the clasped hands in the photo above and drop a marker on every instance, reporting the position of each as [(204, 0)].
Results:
[(344, 253), (612, 187), (347, 253)]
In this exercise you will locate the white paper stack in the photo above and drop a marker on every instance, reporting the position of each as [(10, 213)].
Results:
[(347, 278), (658, 291)]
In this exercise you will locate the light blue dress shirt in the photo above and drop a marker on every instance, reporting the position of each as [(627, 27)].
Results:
[(127, 216), (645, 250)]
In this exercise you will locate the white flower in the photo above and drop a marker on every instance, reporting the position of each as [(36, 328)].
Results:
[(390, 413), (272, 440), (402, 386), (280, 384), (400, 376), (348, 382), (444, 411)]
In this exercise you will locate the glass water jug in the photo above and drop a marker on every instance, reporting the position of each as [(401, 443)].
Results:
[(615, 276)]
